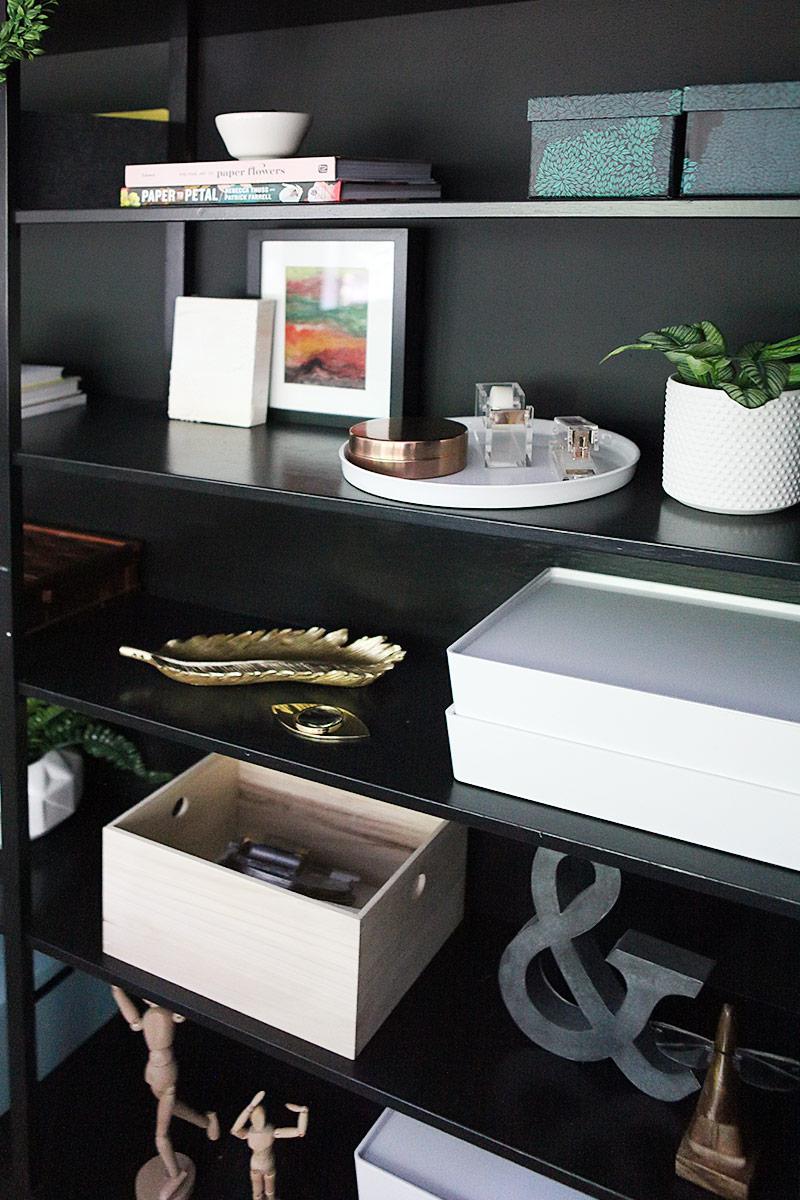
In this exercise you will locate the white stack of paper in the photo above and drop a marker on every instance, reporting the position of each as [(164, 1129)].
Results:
[(221, 353), (46, 389)]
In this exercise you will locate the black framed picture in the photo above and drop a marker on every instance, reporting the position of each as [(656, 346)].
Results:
[(341, 296)]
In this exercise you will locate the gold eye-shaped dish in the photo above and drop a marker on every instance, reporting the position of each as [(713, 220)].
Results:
[(320, 722)]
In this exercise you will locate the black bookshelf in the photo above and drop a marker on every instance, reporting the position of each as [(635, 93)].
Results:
[(76, 663), (449, 1055), (296, 465)]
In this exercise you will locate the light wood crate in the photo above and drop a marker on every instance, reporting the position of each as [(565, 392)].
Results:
[(323, 972)]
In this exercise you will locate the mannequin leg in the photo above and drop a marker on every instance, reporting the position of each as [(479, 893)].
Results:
[(257, 1180), (207, 1121), (269, 1186), (166, 1105)]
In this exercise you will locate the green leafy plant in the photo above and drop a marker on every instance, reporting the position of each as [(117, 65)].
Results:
[(51, 727), (754, 375), (22, 30)]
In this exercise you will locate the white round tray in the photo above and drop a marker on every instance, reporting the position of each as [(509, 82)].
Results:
[(479, 486)]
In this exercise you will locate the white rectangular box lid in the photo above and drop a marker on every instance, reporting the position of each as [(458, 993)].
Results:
[(704, 680), (711, 648), (446, 1168)]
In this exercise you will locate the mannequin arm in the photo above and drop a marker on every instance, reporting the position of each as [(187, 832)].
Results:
[(298, 1130), (238, 1127), (128, 1009)]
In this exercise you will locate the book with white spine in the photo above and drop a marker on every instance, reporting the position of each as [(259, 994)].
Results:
[(231, 170), (31, 395), (78, 400), (34, 375), (277, 170)]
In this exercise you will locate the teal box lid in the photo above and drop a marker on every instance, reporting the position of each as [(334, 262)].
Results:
[(725, 97), (620, 104)]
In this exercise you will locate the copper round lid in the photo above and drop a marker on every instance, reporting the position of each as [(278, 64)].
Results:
[(415, 448)]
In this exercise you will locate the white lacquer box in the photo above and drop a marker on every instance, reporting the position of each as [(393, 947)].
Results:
[(402, 1159), (664, 708), (324, 972)]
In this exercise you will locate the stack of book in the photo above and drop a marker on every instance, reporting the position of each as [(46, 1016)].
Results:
[(278, 181), (47, 390)]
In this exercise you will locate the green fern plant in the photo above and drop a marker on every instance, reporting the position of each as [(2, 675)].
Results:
[(21, 32), (754, 375), (51, 727)]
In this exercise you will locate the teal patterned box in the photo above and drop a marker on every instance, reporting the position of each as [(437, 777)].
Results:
[(742, 139), (603, 146)]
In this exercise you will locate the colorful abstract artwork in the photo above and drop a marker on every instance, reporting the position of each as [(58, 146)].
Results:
[(326, 326)]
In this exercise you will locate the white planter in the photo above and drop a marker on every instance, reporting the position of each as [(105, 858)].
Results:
[(55, 784), (721, 457)]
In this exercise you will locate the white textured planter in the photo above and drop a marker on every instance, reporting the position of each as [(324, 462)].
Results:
[(55, 783), (724, 458)]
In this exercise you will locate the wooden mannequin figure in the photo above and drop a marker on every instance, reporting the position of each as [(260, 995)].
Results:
[(169, 1176), (251, 1127)]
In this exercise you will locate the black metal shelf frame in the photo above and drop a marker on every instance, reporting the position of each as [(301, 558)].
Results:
[(403, 213), (407, 713), (296, 465), (412, 1084)]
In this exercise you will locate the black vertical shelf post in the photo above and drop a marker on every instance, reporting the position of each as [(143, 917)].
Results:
[(182, 100), (21, 1008)]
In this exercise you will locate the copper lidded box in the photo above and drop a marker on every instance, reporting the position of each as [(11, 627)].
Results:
[(409, 448)]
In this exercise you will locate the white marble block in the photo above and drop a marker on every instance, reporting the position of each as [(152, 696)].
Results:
[(221, 355)]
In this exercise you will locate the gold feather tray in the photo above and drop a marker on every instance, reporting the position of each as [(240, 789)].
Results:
[(276, 656)]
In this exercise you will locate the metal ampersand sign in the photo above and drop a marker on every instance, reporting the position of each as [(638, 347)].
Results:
[(609, 1019)]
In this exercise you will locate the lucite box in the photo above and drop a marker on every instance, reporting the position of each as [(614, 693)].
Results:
[(507, 421)]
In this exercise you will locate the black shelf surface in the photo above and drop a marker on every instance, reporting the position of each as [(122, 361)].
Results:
[(439, 210), (101, 1087), (448, 1055), (300, 465), (406, 760)]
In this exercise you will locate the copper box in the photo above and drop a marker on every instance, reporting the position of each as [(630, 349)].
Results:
[(67, 572)]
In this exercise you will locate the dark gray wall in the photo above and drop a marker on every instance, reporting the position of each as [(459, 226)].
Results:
[(92, 301), (540, 301), (112, 80), (453, 86)]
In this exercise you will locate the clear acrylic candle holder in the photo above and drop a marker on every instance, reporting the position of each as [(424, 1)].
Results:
[(507, 424)]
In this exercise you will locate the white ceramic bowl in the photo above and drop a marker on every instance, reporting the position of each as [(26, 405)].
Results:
[(263, 134)]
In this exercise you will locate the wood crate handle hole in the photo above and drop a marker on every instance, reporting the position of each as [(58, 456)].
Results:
[(419, 885)]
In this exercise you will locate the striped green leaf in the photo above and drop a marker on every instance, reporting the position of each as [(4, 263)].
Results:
[(757, 381), (789, 348)]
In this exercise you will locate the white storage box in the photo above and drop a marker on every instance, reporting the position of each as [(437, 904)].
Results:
[(402, 1159), (640, 701), (221, 356), (320, 971), (726, 814)]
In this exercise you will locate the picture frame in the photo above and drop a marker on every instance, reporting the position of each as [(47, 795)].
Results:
[(342, 300)]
